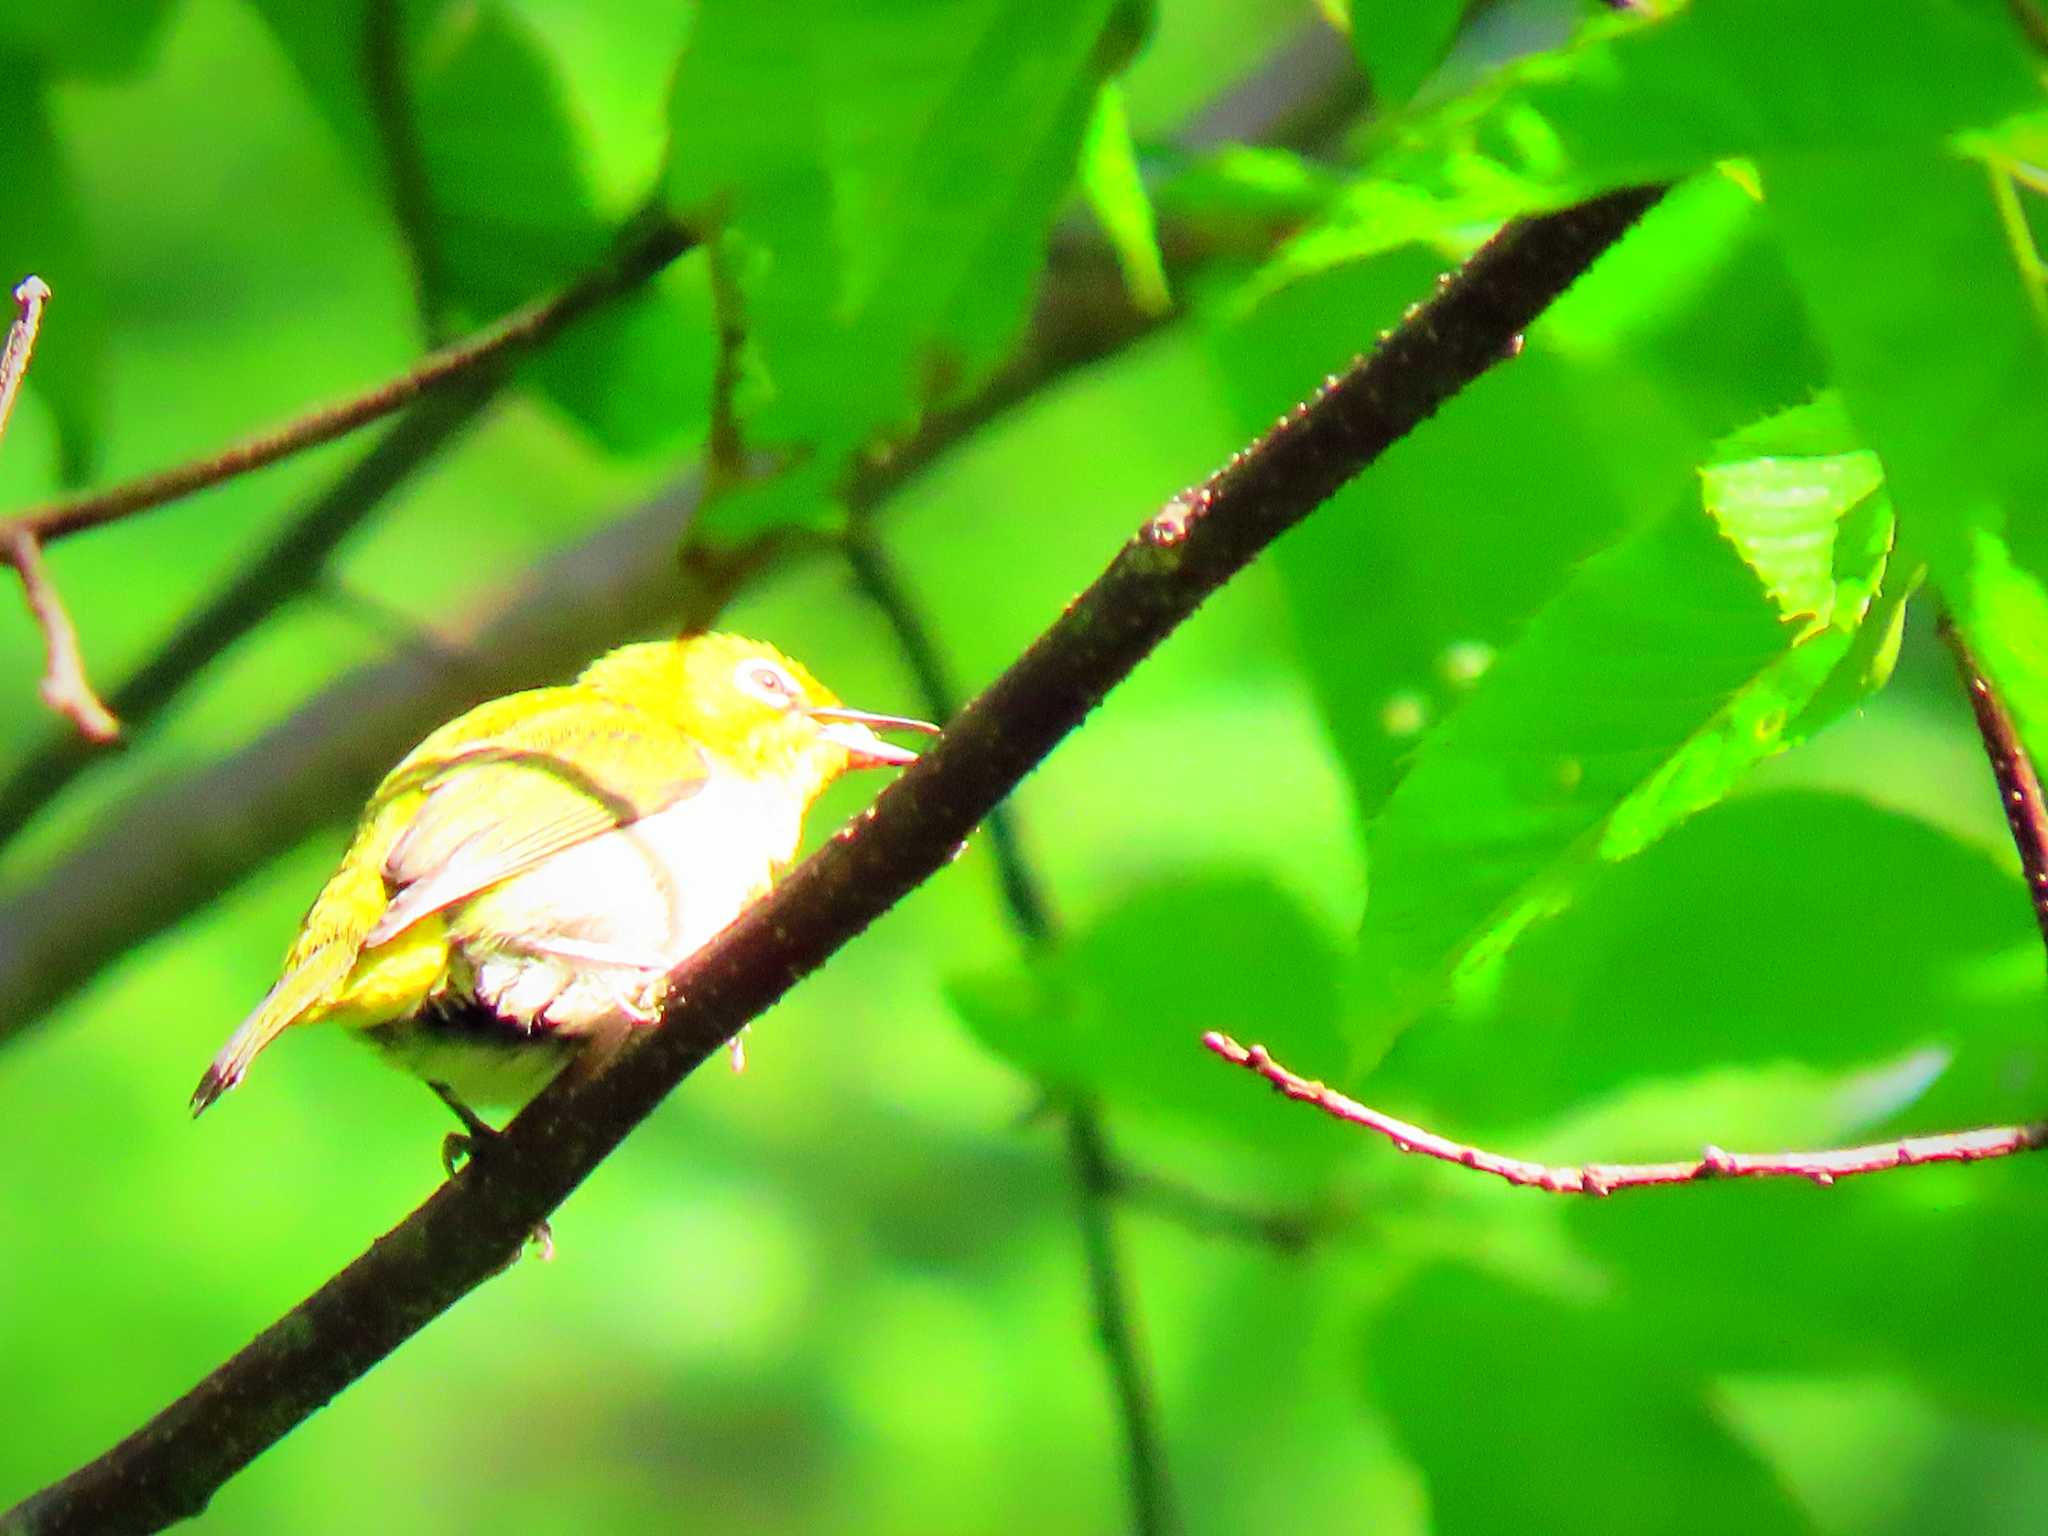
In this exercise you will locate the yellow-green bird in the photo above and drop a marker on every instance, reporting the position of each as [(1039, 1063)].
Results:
[(522, 884)]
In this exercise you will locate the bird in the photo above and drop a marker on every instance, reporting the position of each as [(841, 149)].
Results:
[(521, 885)]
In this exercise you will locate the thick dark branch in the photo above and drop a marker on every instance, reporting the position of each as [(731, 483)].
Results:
[(649, 245), (477, 1221), (2019, 786), (1605, 1178)]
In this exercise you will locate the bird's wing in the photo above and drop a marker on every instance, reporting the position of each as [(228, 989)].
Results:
[(493, 806)]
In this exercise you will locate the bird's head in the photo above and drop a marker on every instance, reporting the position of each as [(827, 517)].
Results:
[(753, 708)]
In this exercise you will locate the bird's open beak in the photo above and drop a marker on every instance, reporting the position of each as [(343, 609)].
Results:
[(854, 729)]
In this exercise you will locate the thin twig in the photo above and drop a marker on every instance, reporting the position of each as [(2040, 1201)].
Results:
[(30, 295), (1152, 1506), (170, 1468), (1605, 1178), (388, 86), (650, 244), (1289, 1231), (2019, 786), (65, 687), (294, 561), (883, 586), (1095, 1177), (292, 564), (725, 454)]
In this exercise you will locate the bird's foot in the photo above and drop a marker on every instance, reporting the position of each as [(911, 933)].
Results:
[(475, 1141)]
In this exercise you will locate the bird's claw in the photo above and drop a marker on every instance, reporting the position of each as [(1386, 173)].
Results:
[(475, 1140)]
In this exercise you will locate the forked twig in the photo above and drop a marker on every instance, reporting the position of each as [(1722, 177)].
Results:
[(65, 687)]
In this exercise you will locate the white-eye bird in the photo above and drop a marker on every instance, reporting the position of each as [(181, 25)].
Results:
[(521, 885)]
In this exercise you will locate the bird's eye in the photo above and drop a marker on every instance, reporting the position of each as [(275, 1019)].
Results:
[(768, 683)]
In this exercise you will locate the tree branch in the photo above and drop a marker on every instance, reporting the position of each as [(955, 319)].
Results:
[(2019, 786), (476, 1222), (65, 687), (643, 249), (1605, 1178)]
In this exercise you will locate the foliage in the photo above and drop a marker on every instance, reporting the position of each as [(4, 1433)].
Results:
[(1585, 778)]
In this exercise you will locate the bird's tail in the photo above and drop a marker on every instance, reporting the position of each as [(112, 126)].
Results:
[(306, 984)]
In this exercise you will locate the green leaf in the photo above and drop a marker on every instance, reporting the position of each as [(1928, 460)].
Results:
[(1642, 694), (97, 39), (1118, 1010), (892, 175), (515, 216), (1861, 1278), (1115, 188), (42, 232), (1499, 1392), (1935, 333), (1399, 43), (1938, 349), (1763, 938), (1636, 102), (513, 213), (1438, 558)]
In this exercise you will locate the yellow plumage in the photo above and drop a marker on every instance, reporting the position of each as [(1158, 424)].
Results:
[(526, 878)]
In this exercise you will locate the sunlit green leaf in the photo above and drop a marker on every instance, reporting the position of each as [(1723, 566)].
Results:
[(891, 176), (1762, 936), (1638, 101), (1433, 562), (1641, 694), (1115, 188), (1940, 355)]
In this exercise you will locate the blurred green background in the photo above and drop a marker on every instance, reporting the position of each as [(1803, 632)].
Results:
[(845, 1291)]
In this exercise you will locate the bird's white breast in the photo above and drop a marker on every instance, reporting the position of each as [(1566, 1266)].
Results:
[(654, 890)]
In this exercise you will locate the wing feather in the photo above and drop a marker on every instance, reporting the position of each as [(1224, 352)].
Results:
[(535, 786)]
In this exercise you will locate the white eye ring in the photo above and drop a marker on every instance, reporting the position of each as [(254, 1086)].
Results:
[(768, 683)]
